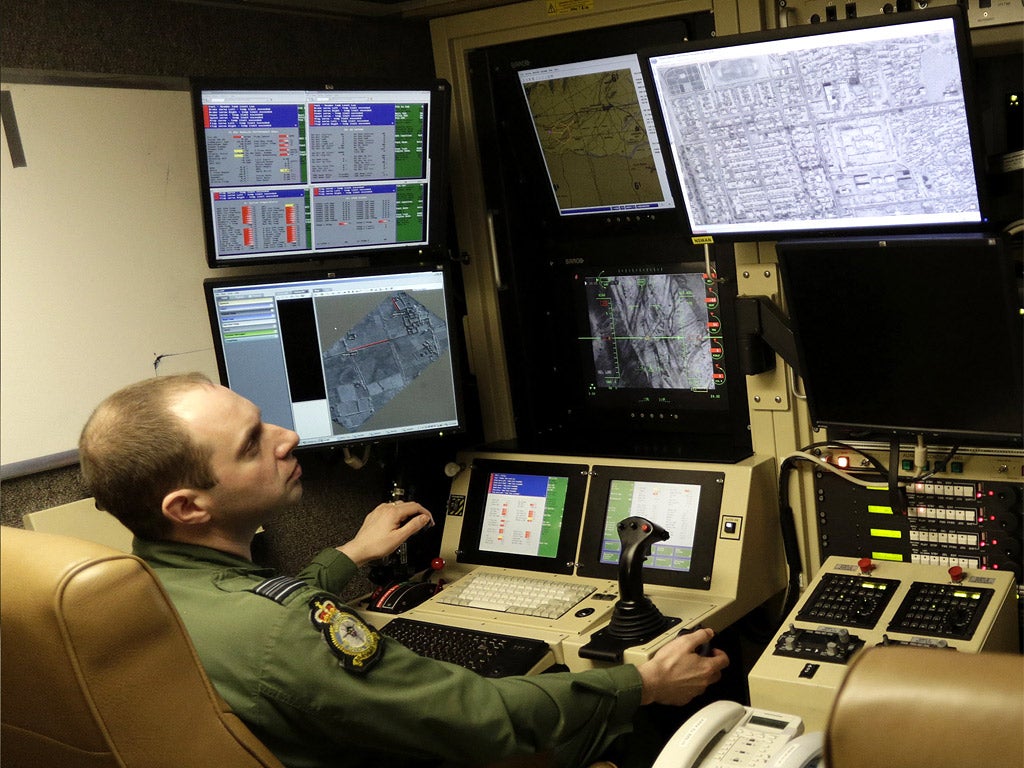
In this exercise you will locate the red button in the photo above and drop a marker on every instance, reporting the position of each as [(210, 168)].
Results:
[(956, 573), (865, 564)]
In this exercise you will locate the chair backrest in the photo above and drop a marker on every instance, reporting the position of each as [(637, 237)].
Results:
[(905, 707), (82, 520), (98, 669)]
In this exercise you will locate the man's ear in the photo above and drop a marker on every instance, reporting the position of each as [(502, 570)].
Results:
[(182, 507)]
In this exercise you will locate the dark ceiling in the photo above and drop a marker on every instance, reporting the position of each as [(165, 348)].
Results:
[(421, 9)]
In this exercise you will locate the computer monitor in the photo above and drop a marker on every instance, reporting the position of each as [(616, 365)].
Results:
[(310, 170), (523, 514), (911, 335), (684, 502), (341, 358), (595, 130), (858, 126), (568, 146), (654, 342)]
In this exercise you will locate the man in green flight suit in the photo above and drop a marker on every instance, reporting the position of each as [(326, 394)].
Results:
[(193, 471)]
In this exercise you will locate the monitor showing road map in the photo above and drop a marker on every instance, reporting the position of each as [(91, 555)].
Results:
[(340, 357), (595, 130), (854, 126)]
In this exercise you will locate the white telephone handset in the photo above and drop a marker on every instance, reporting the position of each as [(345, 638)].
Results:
[(725, 733)]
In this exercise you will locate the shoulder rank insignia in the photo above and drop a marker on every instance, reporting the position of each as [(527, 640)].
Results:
[(279, 588), (351, 639)]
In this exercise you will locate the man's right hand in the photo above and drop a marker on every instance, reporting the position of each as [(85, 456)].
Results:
[(385, 529), (677, 672)]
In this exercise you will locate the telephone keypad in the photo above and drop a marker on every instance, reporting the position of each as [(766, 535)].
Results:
[(745, 747)]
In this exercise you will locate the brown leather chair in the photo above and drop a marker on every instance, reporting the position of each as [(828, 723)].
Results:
[(97, 669), (903, 707)]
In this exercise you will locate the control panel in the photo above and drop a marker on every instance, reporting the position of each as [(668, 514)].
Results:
[(555, 519), (854, 603), (967, 522)]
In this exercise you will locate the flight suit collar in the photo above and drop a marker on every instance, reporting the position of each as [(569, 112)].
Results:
[(173, 554)]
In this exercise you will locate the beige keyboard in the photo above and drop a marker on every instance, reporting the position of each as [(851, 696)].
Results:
[(515, 594)]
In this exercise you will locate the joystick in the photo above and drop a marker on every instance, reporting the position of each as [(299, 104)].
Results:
[(635, 619)]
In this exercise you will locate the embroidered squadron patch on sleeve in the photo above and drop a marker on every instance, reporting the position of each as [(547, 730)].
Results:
[(351, 639)]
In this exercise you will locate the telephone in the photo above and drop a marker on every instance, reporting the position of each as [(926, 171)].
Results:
[(725, 733)]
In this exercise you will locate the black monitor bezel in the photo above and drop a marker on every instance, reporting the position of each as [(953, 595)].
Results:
[(436, 207), (828, 228), (503, 117), (705, 540), (676, 406), (473, 518), (971, 252), (213, 283)]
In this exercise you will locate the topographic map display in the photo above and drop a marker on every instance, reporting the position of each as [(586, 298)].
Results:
[(380, 356), (595, 145), (848, 131), (650, 331)]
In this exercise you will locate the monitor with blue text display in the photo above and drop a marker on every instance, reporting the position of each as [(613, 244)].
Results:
[(309, 171)]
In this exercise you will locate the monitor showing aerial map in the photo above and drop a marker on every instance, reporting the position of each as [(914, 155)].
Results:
[(596, 134), (854, 126), (340, 357), (651, 338), (652, 330)]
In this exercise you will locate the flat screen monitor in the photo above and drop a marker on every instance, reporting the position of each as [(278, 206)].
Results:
[(315, 170), (858, 126), (523, 514), (341, 358), (912, 335), (652, 342), (686, 503), (567, 137), (595, 130)]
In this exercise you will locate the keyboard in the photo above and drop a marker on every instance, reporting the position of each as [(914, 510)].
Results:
[(489, 654), (522, 595)]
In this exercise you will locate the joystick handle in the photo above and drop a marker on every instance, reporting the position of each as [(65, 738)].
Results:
[(637, 534)]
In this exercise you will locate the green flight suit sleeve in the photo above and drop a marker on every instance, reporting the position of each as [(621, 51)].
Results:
[(406, 708), (330, 571)]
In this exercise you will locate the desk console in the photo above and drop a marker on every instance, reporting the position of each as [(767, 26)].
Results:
[(554, 518), (852, 604)]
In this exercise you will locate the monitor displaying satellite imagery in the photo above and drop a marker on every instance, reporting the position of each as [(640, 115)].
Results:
[(652, 335), (865, 124), (340, 358), (651, 331), (595, 130)]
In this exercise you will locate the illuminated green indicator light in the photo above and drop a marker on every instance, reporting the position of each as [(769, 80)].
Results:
[(893, 556), (878, 509), (886, 533)]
